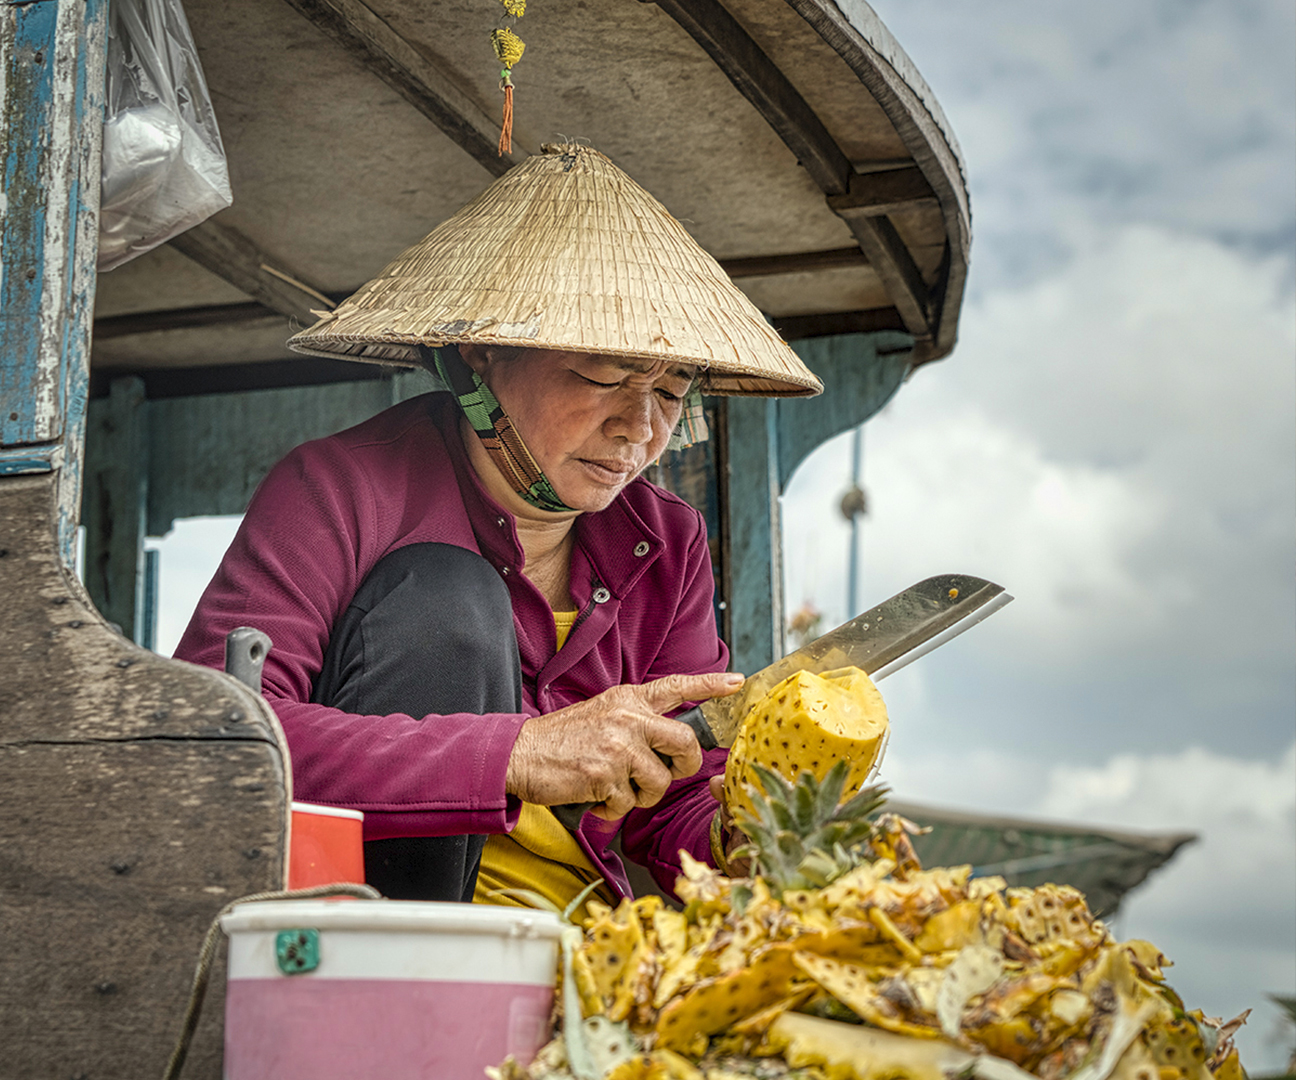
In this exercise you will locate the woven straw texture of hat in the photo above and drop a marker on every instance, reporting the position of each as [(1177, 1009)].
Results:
[(565, 252)]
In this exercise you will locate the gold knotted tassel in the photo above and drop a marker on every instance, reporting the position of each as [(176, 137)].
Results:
[(508, 49)]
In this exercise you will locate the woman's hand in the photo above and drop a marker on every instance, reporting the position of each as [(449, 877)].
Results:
[(604, 750)]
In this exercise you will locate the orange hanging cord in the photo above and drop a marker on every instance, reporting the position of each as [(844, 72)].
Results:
[(508, 49), (506, 125)]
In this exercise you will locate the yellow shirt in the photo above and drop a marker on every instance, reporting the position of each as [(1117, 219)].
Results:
[(539, 855)]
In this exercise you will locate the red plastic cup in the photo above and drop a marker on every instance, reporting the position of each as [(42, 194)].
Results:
[(327, 846)]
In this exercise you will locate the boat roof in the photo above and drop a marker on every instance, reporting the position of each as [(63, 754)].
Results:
[(794, 139)]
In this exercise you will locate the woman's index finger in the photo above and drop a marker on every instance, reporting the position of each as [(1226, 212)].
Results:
[(668, 693)]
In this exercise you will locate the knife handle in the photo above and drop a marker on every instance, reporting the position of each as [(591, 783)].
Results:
[(569, 814), (694, 718)]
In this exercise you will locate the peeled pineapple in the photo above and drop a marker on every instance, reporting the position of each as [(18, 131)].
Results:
[(807, 723)]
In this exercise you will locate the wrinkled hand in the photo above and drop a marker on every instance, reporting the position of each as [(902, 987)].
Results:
[(604, 750), (734, 837)]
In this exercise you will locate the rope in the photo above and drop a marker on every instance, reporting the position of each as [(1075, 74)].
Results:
[(508, 49), (202, 973), (506, 126)]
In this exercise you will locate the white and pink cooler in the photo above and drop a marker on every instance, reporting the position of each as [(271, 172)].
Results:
[(390, 989)]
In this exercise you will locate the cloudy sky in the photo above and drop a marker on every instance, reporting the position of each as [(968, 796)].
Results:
[(1113, 441)]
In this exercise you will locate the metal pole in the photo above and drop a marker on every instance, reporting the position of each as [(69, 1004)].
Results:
[(853, 581)]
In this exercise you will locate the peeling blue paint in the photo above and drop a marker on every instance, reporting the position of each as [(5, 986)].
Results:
[(29, 124), (80, 274), (860, 373), (52, 110), (25, 464)]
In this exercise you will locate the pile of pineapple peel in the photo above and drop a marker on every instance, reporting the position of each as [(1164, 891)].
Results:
[(858, 964), (890, 972)]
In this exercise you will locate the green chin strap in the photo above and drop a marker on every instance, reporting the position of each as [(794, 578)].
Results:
[(503, 442), (498, 436)]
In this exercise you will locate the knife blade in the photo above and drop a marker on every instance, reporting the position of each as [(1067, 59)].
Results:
[(880, 641)]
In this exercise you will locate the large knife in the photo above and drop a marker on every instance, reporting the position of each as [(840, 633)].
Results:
[(881, 641)]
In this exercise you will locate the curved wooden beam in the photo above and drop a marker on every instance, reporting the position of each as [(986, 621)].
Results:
[(407, 71), (853, 29), (890, 259), (227, 253), (863, 201)]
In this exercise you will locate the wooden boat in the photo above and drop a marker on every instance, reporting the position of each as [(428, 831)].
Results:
[(793, 138)]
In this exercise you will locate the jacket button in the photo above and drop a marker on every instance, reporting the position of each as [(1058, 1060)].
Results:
[(641, 549), (504, 571), (601, 595)]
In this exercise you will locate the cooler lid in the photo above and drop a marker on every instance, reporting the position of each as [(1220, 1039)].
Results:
[(414, 916)]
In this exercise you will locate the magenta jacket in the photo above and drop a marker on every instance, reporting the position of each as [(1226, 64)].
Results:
[(322, 519)]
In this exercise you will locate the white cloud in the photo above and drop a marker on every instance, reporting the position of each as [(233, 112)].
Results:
[(1114, 445), (1176, 113)]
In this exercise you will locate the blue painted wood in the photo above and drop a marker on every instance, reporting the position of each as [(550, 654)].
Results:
[(24, 459), (765, 440), (860, 373), (755, 559), (28, 41), (207, 454), (51, 108), (116, 493)]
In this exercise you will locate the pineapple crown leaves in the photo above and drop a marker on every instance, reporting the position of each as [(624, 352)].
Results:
[(801, 835)]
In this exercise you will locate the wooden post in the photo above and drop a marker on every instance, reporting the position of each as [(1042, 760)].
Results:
[(51, 111), (138, 795), (761, 442), (116, 500), (755, 564)]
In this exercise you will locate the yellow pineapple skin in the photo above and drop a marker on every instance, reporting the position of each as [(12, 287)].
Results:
[(809, 722)]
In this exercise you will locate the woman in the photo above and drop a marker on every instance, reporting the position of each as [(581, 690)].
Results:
[(478, 610)]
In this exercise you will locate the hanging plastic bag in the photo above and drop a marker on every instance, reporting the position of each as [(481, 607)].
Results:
[(164, 166)]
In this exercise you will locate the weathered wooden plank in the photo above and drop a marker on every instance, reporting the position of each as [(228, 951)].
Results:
[(796, 263), (229, 254), (116, 857), (869, 321), (753, 533), (761, 82), (139, 796), (152, 322), (892, 262), (116, 495), (394, 60), (853, 29), (51, 111), (885, 192)]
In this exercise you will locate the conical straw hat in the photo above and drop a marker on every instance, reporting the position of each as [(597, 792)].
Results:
[(566, 252)]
